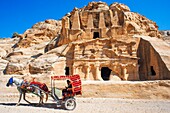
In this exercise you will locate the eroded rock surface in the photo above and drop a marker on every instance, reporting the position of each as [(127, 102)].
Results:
[(98, 42), (40, 32)]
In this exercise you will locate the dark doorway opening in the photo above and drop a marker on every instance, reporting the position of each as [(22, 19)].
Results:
[(153, 73), (105, 73), (67, 71), (95, 35)]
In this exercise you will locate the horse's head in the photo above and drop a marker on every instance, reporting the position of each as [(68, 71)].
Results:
[(10, 82)]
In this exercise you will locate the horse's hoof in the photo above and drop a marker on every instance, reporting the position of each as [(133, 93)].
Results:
[(17, 104), (38, 105), (31, 104)]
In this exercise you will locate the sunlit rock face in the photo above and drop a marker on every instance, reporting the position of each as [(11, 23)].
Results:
[(98, 42), (39, 33), (97, 19), (103, 43)]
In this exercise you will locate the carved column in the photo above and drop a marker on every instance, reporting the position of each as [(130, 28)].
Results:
[(111, 16), (115, 19), (125, 73), (66, 26), (76, 51), (87, 72), (101, 21), (67, 22), (136, 73), (76, 21), (75, 70), (102, 26), (98, 73), (115, 23), (89, 34), (90, 22)]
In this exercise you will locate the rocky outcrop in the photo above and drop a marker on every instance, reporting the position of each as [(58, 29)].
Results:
[(45, 64), (7, 45), (15, 68), (98, 42), (97, 19), (111, 29), (166, 35), (39, 33), (3, 64), (2, 53), (18, 64), (120, 7), (154, 59), (52, 61), (30, 46), (20, 58)]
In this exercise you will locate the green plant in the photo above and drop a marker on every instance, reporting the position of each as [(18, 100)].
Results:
[(15, 34)]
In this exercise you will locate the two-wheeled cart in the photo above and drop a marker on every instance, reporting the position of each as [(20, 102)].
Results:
[(67, 101)]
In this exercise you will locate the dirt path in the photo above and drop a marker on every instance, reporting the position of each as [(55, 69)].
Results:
[(136, 97), (93, 105)]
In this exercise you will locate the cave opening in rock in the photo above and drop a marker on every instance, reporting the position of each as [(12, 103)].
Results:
[(67, 71), (105, 73), (153, 73), (95, 35)]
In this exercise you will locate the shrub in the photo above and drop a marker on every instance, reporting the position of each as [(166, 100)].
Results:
[(15, 34)]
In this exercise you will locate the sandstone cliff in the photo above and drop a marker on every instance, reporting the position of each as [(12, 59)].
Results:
[(31, 45), (98, 41), (6, 47), (116, 19), (39, 33)]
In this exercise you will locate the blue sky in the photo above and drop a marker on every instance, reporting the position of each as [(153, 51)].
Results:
[(19, 15)]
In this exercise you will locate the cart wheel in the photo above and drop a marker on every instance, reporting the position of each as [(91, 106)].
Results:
[(70, 104)]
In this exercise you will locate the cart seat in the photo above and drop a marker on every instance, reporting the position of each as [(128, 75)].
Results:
[(76, 84), (75, 80)]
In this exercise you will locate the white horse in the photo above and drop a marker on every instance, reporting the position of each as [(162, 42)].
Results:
[(18, 83)]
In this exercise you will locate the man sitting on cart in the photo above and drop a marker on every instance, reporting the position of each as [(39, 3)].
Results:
[(68, 89)]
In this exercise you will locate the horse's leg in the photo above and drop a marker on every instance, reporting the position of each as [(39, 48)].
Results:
[(24, 94), (19, 99), (42, 96), (39, 94), (40, 102)]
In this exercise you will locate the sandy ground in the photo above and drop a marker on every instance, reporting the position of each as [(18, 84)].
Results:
[(110, 97), (93, 105)]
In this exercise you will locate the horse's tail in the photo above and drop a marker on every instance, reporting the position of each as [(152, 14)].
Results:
[(46, 97), (45, 88)]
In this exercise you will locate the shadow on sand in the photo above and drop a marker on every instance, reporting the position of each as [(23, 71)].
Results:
[(45, 105)]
